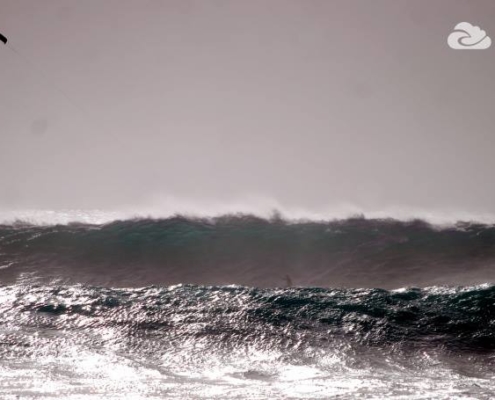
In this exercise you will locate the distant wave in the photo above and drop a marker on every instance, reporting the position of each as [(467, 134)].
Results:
[(251, 251)]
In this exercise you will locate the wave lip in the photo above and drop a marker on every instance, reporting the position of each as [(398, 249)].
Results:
[(261, 208)]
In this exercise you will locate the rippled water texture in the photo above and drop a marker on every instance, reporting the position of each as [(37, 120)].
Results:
[(231, 342)]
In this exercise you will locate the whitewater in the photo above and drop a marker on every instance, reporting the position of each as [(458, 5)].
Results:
[(242, 306)]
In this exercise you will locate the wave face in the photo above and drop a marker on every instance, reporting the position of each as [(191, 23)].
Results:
[(249, 251), (235, 342)]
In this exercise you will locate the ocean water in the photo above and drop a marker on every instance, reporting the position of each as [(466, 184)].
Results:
[(241, 307)]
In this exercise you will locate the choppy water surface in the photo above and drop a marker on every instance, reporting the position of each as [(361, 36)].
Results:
[(237, 342)]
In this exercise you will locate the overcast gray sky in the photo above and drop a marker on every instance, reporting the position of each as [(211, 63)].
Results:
[(311, 104)]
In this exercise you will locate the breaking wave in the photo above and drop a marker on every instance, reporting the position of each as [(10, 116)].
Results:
[(250, 251)]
